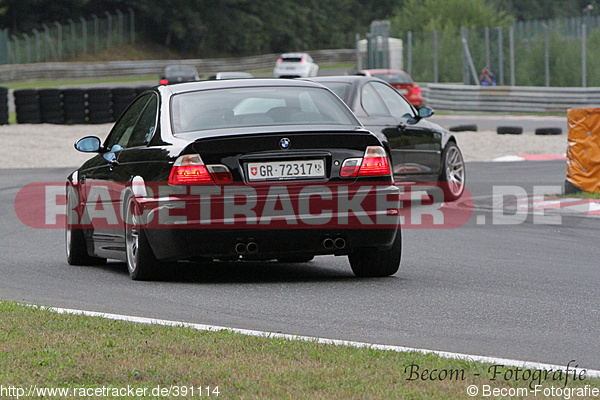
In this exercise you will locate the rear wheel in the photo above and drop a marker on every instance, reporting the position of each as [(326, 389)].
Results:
[(452, 178), (75, 246), (141, 262), (375, 262)]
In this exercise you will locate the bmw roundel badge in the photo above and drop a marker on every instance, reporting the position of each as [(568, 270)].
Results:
[(284, 143)]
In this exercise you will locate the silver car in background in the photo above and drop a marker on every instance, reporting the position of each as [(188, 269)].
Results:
[(295, 65)]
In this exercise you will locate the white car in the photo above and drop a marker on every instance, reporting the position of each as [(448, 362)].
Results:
[(295, 65)]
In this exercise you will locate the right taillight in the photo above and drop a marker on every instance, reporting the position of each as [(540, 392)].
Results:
[(190, 170), (374, 163), (164, 81)]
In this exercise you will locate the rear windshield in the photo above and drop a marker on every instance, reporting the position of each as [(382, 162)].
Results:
[(292, 59), (394, 78), (341, 89), (263, 106), (180, 70)]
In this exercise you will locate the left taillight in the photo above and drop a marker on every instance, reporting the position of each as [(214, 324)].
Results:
[(190, 170), (374, 163), (164, 81)]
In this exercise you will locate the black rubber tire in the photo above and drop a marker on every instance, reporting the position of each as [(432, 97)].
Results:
[(100, 117), (77, 253), (49, 93), (142, 265), (548, 131), (74, 96), (141, 89), (29, 118), (570, 188), (27, 108), (99, 94), (123, 94), (295, 259), (23, 96), (51, 109), (375, 262), (463, 128), (118, 108), (452, 186), (53, 118), (75, 246), (509, 130)]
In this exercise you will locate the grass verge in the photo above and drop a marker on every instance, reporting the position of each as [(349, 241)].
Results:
[(581, 195), (50, 350)]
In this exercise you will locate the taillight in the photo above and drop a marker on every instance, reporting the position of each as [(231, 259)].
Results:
[(164, 81), (220, 173), (190, 170), (302, 59), (374, 163), (416, 90), (350, 167), (279, 59)]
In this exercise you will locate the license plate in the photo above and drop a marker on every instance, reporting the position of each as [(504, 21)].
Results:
[(262, 171)]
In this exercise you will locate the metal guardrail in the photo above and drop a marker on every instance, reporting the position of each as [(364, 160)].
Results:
[(451, 97), (127, 68), (509, 98)]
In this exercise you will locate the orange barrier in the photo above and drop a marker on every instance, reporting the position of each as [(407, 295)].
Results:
[(583, 150)]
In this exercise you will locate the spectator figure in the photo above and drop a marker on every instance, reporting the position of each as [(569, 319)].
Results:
[(487, 77)]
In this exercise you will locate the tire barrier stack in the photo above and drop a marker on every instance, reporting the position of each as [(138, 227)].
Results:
[(68, 106), (74, 106), (51, 109), (548, 131), (27, 105), (509, 130), (463, 128), (99, 106), (121, 98), (3, 106)]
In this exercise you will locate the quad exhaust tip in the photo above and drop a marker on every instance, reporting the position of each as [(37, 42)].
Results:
[(252, 248), (337, 243), (328, 243), (340, 243), (243, 248)]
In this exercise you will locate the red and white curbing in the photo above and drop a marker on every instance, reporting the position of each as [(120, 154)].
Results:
[(563, 206), (531, 157)]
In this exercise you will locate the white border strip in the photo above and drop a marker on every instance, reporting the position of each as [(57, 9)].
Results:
[(590, 373)]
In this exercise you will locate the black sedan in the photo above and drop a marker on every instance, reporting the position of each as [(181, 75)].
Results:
[(255, 169), (179, 73), (421, 151)]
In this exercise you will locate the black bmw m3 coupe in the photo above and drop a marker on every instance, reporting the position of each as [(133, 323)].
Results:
[(256, 169)]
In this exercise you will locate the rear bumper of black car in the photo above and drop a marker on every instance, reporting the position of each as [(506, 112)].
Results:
[(317, 221), (262, 244)]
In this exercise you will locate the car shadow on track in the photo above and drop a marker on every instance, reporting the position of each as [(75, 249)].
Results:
[(219, 272)]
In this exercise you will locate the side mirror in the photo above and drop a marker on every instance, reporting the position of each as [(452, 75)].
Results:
[(89, 144), (425, 112)]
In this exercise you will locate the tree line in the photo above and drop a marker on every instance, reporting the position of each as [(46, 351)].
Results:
[(216, 28)]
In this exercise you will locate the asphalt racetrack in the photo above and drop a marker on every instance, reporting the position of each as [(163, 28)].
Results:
[(524, 291)]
